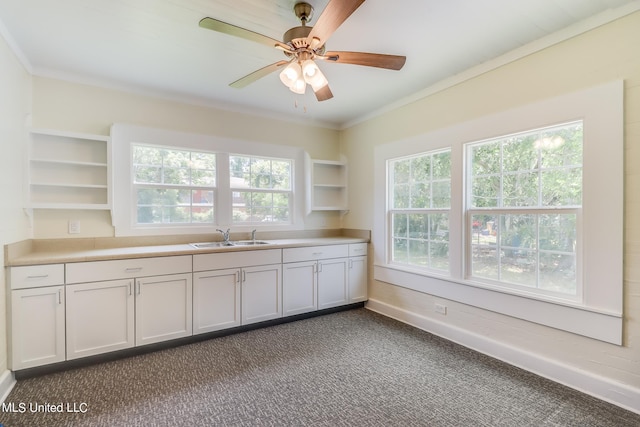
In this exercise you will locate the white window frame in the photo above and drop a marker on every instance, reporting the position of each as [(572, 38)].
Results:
[(162, 185), (414, 210), (124, 210), (598, 311), (536, 210), (288, 192)]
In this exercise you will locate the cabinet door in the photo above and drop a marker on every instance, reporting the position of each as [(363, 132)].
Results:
[(163, 308), (216, 300), (357, 279), (332, 282), (37, 327), (299, 287), (100, 317), (261, 293)]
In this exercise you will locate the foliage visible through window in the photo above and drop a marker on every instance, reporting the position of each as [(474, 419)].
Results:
[(420, 199), (261, 189), (524, 198), (173, 186)]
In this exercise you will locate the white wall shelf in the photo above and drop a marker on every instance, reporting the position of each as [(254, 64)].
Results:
[(326, 185), (68, 170)]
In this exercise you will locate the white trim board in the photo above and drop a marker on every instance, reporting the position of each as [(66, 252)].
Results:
[(619, 394), (7, 381)]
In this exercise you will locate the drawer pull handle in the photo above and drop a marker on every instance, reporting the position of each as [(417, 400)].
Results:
[(133, 269), (41, 276), (316, 253)]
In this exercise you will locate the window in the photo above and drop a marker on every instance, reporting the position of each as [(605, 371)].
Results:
[(419, 202), (169, 182), (173, 186), (261, 189), (525, 197), (535, 216)]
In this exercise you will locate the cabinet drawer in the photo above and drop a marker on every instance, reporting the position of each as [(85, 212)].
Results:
[(204, 262), (36, 276), (314, 252), (94, 271), (357, 249)]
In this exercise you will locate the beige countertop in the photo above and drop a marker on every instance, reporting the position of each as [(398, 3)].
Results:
[(67, 250)]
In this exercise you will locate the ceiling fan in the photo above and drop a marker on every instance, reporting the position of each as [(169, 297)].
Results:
[(302, 45)]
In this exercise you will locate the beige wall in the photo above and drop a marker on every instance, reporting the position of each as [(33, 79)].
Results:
[(604, 54), (81, 108), (15, 105)]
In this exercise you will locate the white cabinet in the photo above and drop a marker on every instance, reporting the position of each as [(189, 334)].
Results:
[(326, 185), (299, 287), (37, 327), (163, 308), (158, 289), (100, 317), (357, 279), (332, 282), (261, 293), (319, 277), (68, 170), (358, 272), (251, 284), (216, 300), (36, 333)]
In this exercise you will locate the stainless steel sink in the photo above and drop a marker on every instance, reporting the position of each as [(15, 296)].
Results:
[(204, 245), (250, 242)]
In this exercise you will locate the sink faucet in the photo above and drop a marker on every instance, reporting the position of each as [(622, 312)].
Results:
[(253, 235), (225, 236)]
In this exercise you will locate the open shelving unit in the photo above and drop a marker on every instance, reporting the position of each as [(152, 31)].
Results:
[(326, 185), (68, 170)]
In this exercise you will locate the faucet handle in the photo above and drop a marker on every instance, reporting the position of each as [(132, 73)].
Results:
[(253, 235)]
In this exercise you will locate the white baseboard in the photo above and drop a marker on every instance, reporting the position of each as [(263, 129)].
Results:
[(619, 394), (7, 381)]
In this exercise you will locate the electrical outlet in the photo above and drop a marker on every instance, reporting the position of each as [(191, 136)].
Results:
[(74, 226), (442, 309)]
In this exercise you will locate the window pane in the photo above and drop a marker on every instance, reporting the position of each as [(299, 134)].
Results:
[(260, 207), (421, 169), (420, 195), (485, 192), (421, 240), (441, 194), (401, 171), (442, 165), (400, 196), (558, 272), (558, 232), (520, 190), (562, 187)]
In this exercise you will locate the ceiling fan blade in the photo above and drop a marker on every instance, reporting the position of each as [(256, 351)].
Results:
[(391, 62), (323, 93), (258, 74), (336, 12), (232, 30)]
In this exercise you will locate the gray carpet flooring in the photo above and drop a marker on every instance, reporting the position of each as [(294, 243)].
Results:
[(353, 368)]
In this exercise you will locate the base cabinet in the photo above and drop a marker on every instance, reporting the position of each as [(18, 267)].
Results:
[(163, 308), (332, 282), (37, 327), (100, 317), (216, 300), (67, 311), (357, 279), (261, 293), (299, 287)]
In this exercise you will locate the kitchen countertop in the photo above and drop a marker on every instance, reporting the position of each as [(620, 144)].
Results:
[(67, 253)]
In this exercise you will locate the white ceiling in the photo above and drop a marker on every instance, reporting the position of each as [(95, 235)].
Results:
[(157, 47)]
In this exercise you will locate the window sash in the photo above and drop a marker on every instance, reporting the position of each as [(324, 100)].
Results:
[(519, 258)]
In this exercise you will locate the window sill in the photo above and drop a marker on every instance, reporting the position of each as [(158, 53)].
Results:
[(560, 314)]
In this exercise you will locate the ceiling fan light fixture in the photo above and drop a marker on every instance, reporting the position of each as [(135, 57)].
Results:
[(291, 74), (299, 86)]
